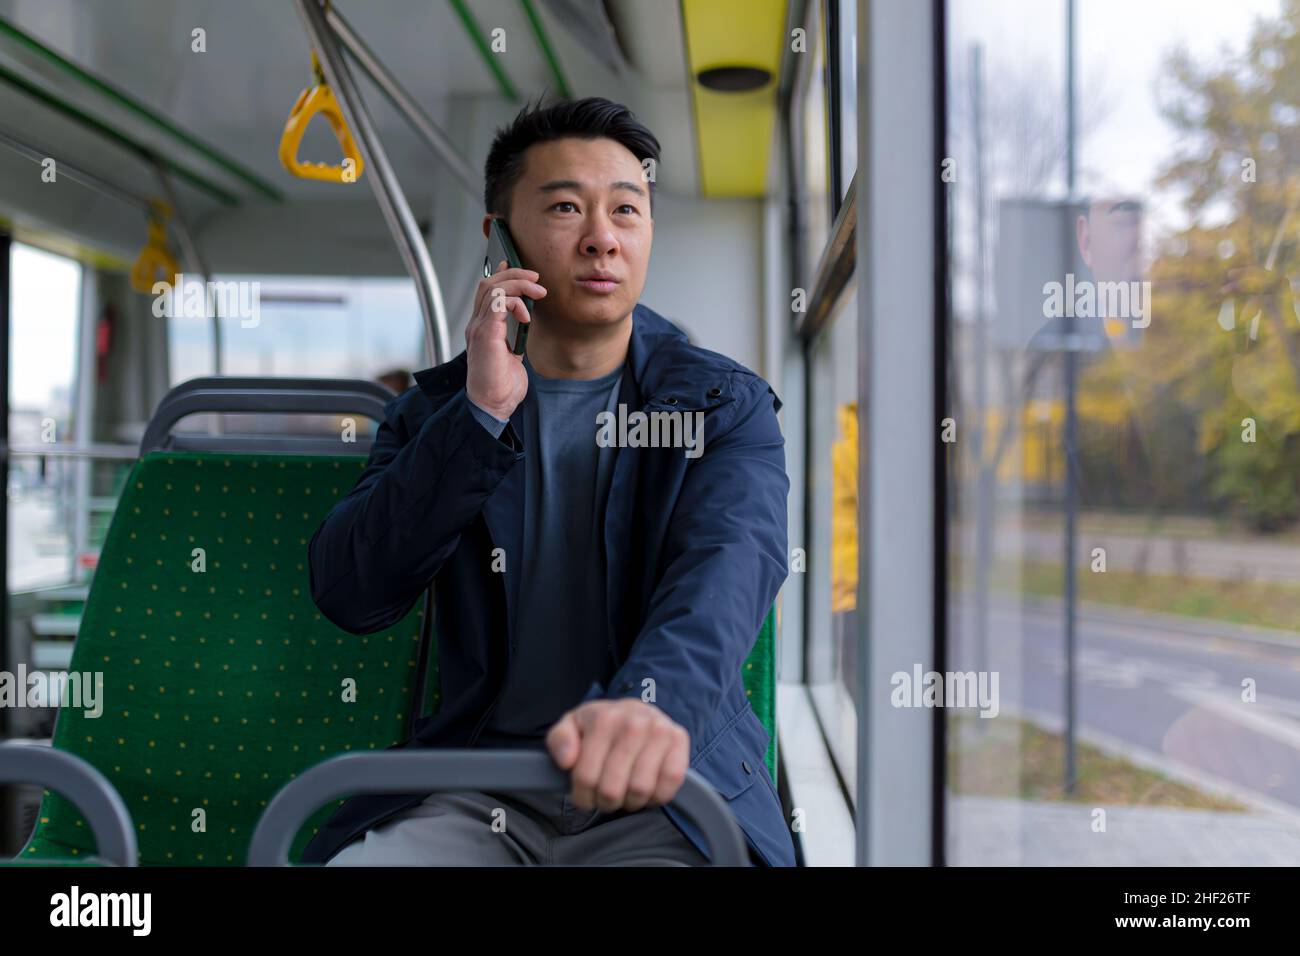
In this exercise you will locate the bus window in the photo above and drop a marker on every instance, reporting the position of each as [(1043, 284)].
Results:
[(299, 326), (45, 301), (304, 326), (1122, 522), (813, 139), (833, 579), (824, 391)]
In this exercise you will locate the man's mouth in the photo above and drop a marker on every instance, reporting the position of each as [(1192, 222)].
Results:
[(598, 282)]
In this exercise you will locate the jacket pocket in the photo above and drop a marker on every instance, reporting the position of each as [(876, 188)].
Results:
[(728, 763)]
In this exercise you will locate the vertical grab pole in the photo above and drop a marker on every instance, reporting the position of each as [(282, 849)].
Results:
[(6, 320), (195, 262), (388, 191)]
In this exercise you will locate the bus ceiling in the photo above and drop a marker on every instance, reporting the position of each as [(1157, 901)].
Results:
[(121, 93)]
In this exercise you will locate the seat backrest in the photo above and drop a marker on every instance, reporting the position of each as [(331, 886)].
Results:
[(760, 683), (221, 679)]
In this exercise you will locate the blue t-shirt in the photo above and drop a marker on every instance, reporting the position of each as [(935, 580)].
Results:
[(561, 639)]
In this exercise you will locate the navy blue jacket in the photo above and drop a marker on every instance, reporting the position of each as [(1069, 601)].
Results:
[(695, 548)]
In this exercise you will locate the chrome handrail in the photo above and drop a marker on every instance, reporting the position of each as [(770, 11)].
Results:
[(404, 103), (88, 789), (455, 769), (387, 189)]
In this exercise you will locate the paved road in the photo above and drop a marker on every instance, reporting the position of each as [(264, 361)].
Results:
[(1171, 693)]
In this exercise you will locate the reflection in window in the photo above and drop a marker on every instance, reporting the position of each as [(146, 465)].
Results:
[(844, 511)]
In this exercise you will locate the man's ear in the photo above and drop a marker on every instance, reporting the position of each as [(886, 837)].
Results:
[(487, 226), (1083, 237)]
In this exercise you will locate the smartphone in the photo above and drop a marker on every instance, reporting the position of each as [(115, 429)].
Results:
[(500, 247)]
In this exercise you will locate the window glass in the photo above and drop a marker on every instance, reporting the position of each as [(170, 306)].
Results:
[(833, 557), (848, 93), (1124, 523), (284, 326), (814, 143), (346, 328), (45, 301)]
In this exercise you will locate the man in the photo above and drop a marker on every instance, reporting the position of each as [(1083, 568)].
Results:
[(596, 599)]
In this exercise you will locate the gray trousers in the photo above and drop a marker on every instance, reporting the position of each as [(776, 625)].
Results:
[(474, 828)]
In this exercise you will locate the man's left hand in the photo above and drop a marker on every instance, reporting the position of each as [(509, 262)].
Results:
[(624, 754)]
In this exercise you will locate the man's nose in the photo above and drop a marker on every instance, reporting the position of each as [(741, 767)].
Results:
[(600, 239)]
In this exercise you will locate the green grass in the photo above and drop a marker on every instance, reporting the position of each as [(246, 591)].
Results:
[(1259, 603), (1188, 527), (1018, 759)]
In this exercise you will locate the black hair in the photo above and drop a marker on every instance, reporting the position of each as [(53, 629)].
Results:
[(587, 118)]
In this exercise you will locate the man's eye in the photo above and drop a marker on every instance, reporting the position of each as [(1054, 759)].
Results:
[(564, 203), (628, 206)]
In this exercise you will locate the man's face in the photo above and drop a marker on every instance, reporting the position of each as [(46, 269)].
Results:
[(582, 207), (1110, 240)]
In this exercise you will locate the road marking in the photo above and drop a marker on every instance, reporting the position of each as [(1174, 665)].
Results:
[(1254, 717)]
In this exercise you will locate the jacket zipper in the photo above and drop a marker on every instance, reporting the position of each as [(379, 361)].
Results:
[(482, 721)]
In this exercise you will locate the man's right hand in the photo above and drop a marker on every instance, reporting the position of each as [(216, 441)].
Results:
[(496, 380)]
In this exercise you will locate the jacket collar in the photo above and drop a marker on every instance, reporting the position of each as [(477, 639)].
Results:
[(659, 372)]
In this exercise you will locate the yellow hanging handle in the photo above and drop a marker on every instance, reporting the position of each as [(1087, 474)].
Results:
[(155, 262), (319, 99)]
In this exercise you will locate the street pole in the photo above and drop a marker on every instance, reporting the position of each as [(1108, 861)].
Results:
[(984, 504), (1071, 413)]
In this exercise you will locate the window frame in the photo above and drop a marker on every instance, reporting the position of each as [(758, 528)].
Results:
[(894, 194), (902, 398)]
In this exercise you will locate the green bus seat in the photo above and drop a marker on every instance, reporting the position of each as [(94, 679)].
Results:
[(760, 684), (220, 684)]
